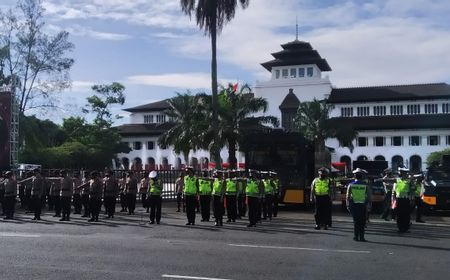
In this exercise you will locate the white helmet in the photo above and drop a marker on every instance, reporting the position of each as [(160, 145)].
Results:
[(153, 174)]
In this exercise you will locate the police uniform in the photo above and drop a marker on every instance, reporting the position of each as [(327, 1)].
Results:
[(130, 193), (9, 198), (402, 199), (37, 191), (143, 190), (253, 192), (110, 191), (218, 194), (388, 183), (205, 190), (190, 195), (418, 192), (76, 194), (276, 192), (55, 189), (358, 198), (230, 201), (85, 195), (155, 190), (268, 198), (320, 192), (66, 193), (95, 197)]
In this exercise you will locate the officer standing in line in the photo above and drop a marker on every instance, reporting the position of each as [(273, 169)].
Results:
[(95, 196), (179, 185), (401, 195), (66, 195), (253, 190), (27, 193), (218, 194), (230, 195), (122, 190), (76, 193), (190, 195), (358, 198), (240, 183), (268, 197), (320, 193), (85, 194), (143, 190), (418, 192), (110, 191), (9, 198), (276, 191), (155, 197), (388, 182), (37, 191), (55, 189), (130, 192), (205, 190)]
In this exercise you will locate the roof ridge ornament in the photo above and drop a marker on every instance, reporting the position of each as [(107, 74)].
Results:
[(296, 28)]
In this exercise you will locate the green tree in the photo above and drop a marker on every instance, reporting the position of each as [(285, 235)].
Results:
[(313, 121), (33, 63), (211, 16), (435, 158)]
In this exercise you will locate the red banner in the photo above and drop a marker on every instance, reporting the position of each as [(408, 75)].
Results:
[(5, 127)]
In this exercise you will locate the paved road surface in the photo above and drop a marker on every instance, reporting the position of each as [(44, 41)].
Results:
[(286, 248)]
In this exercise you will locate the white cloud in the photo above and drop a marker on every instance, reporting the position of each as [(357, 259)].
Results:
[(176, 80)]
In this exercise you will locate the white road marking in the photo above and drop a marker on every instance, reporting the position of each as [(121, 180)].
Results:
[(300, 248), (190, 277), (13, 234)]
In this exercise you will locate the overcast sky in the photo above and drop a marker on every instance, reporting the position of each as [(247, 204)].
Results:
[(155, 50)]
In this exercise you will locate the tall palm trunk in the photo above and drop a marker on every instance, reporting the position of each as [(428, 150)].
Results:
[(215, 150), (320, 154), (232, 153)]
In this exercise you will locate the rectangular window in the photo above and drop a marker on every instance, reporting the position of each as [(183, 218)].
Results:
[(150, 145), (347, 112), (277, 74), (309, 71), (379, 110), (284, 73), (431, 108), (446, 108), (397, 141), (362, 141), (362, 111), (160, 118), (433, 140), (148, 118), (413, 109), (415, 140), (293, 73), (396, 110), (447, 140), (137, 145), (301, 72), (379, 141)]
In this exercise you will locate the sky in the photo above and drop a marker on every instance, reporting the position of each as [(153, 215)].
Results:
[(155, 50)]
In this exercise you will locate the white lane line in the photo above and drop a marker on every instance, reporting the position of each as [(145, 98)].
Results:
[(190, 277), (12, 234), (300, 248)]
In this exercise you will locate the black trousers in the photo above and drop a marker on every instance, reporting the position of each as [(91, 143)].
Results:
[(131, 202), (218, 208), (110, 205), (205, 205), (180, 201), (387, 206), (65, 206), (77, 203), (145, 201), (275, 204), (85, 203), (419, 208), (191, 203), (231, 207), (123, 201), (242, 209), (57, 205), (155, 207), (268, 206), (2, 201), (359, 211), (37, 206), (10, 206), (253, 210), (403, 214), (322, 210), (94, 206)]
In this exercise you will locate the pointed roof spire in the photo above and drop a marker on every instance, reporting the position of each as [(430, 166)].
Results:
[(296, 28)]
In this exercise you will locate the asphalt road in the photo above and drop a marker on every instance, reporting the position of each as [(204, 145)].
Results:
[(286, 248)]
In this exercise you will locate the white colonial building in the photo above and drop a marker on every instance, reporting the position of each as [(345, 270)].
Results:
[(401, 124)]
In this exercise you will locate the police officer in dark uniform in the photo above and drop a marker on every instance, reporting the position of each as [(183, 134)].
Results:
[(110, 191), (358, 198), (66, 195), (190, 194), (131, 187), (37, 191), (253, 191), (95, 196)]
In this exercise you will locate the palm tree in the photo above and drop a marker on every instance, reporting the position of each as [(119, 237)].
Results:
[(313, 122), (236, 116), (211, 16)]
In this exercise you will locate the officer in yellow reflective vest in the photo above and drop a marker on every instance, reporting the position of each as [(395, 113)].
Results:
[(268, 197), (155, 189), (276, 191), (218, 192), (231, 193), (321, 194), (205, 190), (401, 195), (358, 198), (190, 195), (253, 191), (418, 192)]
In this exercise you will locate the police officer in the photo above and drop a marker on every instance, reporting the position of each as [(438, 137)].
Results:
[(55, 189), (143, 190), (358, 198), (388, 183), (268, 197), (122, 190), (9, 198), (276, 191), (110, 191), (320, 193), (155, 189), (418, 192), (179, 185), (218, 194), (66, 195), (37, 191), (205, 190), (253, 190), (230, 195), (95, 196), (130, 192), (241, 206), (85, 194), (76, 193), (401, 195), (190, 194)]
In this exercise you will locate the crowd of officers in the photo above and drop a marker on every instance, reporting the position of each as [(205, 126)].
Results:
[(402, 195), (231, 190)]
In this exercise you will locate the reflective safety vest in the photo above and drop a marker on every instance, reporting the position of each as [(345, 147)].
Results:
[(252, 189), (231, 187), (321, 187), (204, 187), (217, 187), (190, 187), (358, 193), (418, 189), (276, 184), (401, 189), (267, 186), (155, 187)]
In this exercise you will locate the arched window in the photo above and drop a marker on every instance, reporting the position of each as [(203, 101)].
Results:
[(348, 162), (362, 157), (178, 163), (137, 164), (194, 162), (415, 163), (397, 161), (204, 163), (125, 163), (151, 163), (379, 157)]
